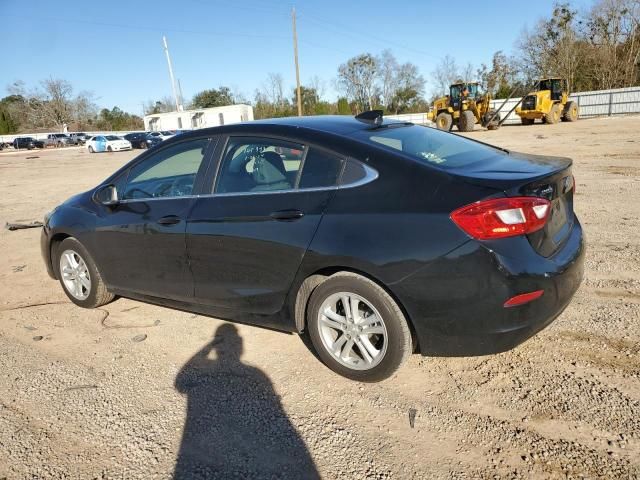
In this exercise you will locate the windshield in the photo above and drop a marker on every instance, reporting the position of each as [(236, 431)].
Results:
[(431, 146), (113, 137), (470, 89)]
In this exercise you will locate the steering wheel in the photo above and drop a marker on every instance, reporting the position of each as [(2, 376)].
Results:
[(181, 187)]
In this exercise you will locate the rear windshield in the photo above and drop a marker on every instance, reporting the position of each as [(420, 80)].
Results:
[(431, 146)]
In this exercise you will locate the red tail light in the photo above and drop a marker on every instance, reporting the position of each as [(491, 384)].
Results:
[(523, 298), (502, 217)]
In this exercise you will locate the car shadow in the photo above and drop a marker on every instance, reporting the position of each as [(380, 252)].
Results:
[(235, 425)]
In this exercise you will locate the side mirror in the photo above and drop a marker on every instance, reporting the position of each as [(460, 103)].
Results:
[(106, 195)]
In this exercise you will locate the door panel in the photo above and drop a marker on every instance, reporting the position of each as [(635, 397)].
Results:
[(138, 253), (245, 250)]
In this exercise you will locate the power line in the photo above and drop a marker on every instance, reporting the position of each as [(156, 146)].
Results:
[(151, 29), (350, 32)]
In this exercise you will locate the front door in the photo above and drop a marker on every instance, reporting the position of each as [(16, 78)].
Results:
[(141, 240), (247, 240)]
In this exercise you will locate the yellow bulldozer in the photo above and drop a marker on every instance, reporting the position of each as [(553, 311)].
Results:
[(549, 102), (464, 107)]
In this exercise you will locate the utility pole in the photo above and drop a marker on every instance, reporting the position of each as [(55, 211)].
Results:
[(173, 82), (295, 54), (180, 96)]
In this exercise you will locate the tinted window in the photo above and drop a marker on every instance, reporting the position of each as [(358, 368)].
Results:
[(170, 172), (258, 165), (321, 169), (353, 173), (431, 146)]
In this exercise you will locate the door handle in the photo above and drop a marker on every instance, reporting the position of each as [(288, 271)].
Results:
[(169, 220), (287, 215)]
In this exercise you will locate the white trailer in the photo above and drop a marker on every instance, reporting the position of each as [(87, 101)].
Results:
[(198, 118)]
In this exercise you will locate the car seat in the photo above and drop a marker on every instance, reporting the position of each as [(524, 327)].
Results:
[(269, 173)]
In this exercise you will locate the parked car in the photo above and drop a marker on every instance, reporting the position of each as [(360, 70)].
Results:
[(142, 140), (27, 142), (163, 135), (79, 138), (107, 143), (378, 238), (58, 140)]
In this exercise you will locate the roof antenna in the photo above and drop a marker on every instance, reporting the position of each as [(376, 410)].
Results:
[(372, 117)]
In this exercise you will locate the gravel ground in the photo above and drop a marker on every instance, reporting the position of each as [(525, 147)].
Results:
[(84, 394)]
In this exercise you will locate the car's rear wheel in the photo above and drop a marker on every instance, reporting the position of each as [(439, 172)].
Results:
[(357, 329), (79, 275)]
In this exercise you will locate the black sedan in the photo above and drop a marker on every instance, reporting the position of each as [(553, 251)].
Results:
[(27, 142), (376, 238), (142, 140)]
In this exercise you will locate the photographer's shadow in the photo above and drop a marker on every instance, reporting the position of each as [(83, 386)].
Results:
[(235, 425)]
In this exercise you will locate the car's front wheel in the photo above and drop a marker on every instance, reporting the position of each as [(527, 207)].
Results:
[(79, 275), (90, 149), (357, 329)]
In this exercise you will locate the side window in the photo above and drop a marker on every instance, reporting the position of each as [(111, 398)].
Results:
[(321, 169), (171, 172), (259, 165), (355, 172)]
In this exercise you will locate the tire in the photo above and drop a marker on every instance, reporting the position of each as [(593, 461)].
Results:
[(91, 150), (571, 112), (109, 149), (444, 121), (96, 294), (493, 125), (527, 121), (554, 114), (467, 121), (387, 348)]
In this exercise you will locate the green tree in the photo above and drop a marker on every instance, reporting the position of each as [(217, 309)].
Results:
[(213, 98), (343, 106)]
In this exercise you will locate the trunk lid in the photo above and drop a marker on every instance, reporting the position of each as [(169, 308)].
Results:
[(518, 174)]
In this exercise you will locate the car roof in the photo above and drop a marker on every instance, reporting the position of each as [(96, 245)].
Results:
[(339, 124)]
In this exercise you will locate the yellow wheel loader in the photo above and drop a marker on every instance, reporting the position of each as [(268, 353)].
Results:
[(549, 102), (464, 107)]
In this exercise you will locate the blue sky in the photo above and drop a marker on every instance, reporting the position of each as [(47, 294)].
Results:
[(114, 49)]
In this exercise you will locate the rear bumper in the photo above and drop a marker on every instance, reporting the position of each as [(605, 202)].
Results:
[(456, 303)]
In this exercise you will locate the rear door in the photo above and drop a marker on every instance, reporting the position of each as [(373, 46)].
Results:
[(246, 240)]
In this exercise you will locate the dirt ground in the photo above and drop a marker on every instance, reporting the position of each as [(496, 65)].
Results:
[(80, 398)]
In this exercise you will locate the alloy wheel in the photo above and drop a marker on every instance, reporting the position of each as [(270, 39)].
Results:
[(75, 274), (352, 331)]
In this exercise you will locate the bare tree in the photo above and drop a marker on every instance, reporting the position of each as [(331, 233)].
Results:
[(53, 104), (445, 73), (388, 75), (613, 35), (274, 89), (468, 73), (357, 80), (317, 84)]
